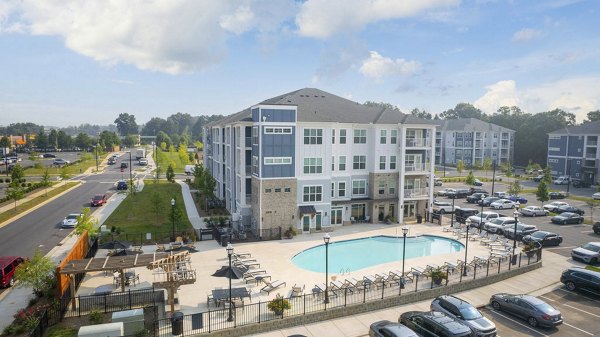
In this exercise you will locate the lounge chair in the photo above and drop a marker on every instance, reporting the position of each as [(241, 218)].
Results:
[(242, 255), (297, 291), (256, 277), (254, 271), (270, 286), (248, 265), (489, 240), (502, 243), (377, 280), (450, 267), (359, 285)]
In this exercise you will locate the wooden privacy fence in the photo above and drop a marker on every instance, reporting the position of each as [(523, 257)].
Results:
[(78, 252)]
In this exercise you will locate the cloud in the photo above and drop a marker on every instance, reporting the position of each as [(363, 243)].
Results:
[(324, 18), (526, 34), (377, 66), (170, 36), (502, 93)]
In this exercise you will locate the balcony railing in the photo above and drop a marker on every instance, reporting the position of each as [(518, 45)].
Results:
[(416, 192), (592, 143), (418, 142), (248, 170), (414, 167), (248, 141)]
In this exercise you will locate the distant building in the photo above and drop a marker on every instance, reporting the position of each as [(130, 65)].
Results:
[(313, 161), (472, 140), (573, 151)]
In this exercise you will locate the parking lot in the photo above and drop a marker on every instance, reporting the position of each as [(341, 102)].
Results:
[(46, 162), (580, 312)]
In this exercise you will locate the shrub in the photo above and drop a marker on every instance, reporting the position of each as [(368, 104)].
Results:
[(96, 316), (279, 304)]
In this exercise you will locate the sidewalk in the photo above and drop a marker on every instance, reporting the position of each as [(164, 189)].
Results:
[(190, 207)]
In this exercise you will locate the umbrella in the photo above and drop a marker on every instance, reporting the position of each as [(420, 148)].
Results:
[(233, 272), (116, 244)]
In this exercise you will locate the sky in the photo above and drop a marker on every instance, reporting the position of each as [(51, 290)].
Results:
[(68, 62)]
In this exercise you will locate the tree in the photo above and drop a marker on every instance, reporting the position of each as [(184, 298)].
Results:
[(487, 164), (156, 204), (382, 105), (463, 110), (157, 176), (126, 124), (460, 166), (85, 222), (515, 187), (64, 174), (470, 178), (109, 139), (63, 140), (15, 192), (36, 273), (153, 127), (181, 122), (129, 141), (17, 173), (547, 175), (45, 180), (542, 192), (175, 215), (209, 185), (161, 138), (182, 154), (4, 142), (53, 138), (41, 140), (593, 116), (83, 141), (421, 114), (170, 173)]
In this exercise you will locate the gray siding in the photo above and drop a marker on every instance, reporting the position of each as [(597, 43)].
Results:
[(278, 145), (279, 115), (576, 146), (556, 147)]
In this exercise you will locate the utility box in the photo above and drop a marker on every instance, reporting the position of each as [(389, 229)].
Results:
[(102, 330), (133, 320)]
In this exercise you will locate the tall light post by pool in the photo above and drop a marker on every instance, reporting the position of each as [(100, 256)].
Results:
[(404, 232), (516, 215), (97, 145), (326, 239), (493, 178), (452, 214), (467, 224), (173, 218), (229, 254), (481, 220)]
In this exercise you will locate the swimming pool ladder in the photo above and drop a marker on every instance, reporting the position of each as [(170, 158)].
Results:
[(345, 271)]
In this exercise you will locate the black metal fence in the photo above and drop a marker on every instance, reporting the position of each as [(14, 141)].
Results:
[(142, 239), (313, 301)]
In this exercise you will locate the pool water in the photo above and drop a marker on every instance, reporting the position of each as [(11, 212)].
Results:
[(352, 255)]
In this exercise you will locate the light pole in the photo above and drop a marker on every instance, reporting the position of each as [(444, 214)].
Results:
[(173, 218), (97, 145), (516, 215), (404, 232), (452, 214), (229, 254), (481, 221), (326, 239), (467, 224), (493, 178), (130, 176)]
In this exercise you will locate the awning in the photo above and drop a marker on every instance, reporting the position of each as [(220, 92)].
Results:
[(307, 209)]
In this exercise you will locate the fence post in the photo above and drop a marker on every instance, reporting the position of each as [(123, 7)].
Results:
[(364, 292), (416, 282), (382, 289), (474, 270), (345, 296), (258, 311), (487, 272), (209, 320), (79, 306), (304, 304), (500, 264), (431, 287)]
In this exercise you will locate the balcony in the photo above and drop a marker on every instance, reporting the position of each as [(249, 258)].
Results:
[(589, 164), (418, 142), (248, 170), (590, 155), (416, 192), (248, 141), (414, 167), (592, 143)]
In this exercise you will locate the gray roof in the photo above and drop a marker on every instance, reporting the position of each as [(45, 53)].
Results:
[(314, 105), (582, 129), (464, 124)]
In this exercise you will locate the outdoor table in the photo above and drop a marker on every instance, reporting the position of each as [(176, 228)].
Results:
[(223, 294)]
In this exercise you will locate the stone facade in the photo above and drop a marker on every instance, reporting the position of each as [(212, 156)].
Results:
[(278, 199), (385, 203)]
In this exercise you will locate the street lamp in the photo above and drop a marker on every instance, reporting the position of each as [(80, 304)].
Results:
[(404, 232), (229, 254), (467, 224), (130, 176), (481, 221), (452, 215), (97, 145), (516, 215), (173, 218), (326, 239)]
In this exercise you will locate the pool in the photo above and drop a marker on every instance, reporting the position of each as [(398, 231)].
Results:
[(352, 255)]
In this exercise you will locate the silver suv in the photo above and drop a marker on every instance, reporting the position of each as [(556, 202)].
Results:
[(465, 313), (497, 225)]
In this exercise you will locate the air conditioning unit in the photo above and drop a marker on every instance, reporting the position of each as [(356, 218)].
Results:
[(132, 320)]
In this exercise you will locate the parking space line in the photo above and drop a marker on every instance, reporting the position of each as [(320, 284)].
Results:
[(519, 323), (558, 248), (586, 232), (574, 293), (584, 311), (574, 327)]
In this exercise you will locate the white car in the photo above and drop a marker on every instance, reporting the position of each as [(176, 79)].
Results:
[(533, 211), (588, 253), (60, 161), (596, 196), (446, 191), (501, 194), (143, 162), (553, 206), (503, 204), (443, 207), (70, 221)]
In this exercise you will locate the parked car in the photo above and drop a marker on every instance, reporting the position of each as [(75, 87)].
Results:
[(561, 181), (567, 218), (477, 182), (437, 182), (522, 230), (121, 185), (477, 190), (497, 225), (488, 200), (98, 200), (581, 278), (596, 227), (570, 209), (580, 183), (516, 198), (538, 178), (48, 155), (535, 311), (556, 195), (70, 221), (60, 161), (443, 207), (124, 165), (390, 329), (463, 213), (444, 191), (8, 265), (457, 194), (111, 161), (588, 253), (502, 195), (434, 324), (533, 211), (596, 196), (544, 238), (553, 206), (476, 197), (143, 162), (503, 204), (483, 217), (465, 313)]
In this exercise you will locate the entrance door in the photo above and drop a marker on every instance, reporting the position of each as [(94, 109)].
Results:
[(380, 212), (318, 221), (306, 223), (336, 216)]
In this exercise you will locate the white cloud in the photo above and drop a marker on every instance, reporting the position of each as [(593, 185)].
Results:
[(377, 66), (324, 18), (526, 34), (502, 93), (171, 36)]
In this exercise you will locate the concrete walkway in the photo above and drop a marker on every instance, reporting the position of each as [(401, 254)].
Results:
[(190, 207)]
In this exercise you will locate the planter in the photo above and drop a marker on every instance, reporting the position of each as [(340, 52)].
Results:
[(437, 280)]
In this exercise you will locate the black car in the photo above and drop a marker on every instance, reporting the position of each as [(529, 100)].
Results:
[(477, 190), (543, 237), (488, 200), (556, 195), (576, 277), (522, 230), (49, 155), (122, 185), (433, 323), (390, 329), (567, 218), (596, 227), (570, 209), (459, 193), (580, 183), (463, 213), (475, 197), (124, 165)]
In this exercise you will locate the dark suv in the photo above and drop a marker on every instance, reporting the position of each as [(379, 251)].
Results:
[(433, 324), (462, 214), (465, 313), (580, 183), (575, 277), (477, 190), (596, 227), (122, 185), (457, 194)]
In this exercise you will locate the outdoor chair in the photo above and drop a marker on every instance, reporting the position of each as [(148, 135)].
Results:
[(160, 247), (241, 255), (359, 285), (500, 244), (489, 240), (297, 291), (450, 267), (248, 265), (270, 286), (137, 249)]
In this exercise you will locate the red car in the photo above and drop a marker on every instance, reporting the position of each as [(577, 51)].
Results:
[(8, 264), (99, 200)]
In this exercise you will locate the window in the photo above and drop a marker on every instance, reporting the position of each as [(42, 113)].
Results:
[(313, 165), (341, 189), (392, 162), (393, 136), (359, 187), (313, 136), (332, 190), (255, 135), (267, 190), (332, 163), (277, 160), (392, 187), (359, 162), (360, 136), (312, 193), (278, 130), (342, 164), (254, 165), (382, 162), (381, 187), (287, 190), (382, 136), (342, 136), (332, 136), (277, 190)]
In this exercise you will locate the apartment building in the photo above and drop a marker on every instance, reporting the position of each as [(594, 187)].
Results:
[(573, 151), (472, 140), (313, 160)]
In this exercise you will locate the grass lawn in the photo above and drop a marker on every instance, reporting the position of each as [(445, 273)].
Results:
[(33, 202), (87, 161), (137, 214), (61, 331), (166, 158)]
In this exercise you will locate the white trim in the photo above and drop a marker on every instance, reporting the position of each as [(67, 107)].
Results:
[(277, 160)]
